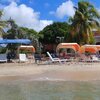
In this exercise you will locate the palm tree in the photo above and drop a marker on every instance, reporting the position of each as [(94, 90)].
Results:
[(13, 32), (32, 35), (85, 19), (2, 24)]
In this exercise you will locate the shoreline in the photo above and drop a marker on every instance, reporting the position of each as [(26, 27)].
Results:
[(64, 72)]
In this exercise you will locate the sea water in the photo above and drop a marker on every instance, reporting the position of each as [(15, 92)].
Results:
[(50, 90)]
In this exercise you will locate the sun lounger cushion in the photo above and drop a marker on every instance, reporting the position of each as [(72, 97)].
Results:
[(56, 59), (23, 58), (3, 58)]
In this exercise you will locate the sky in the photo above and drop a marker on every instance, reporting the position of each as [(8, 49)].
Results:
[(37, 14)]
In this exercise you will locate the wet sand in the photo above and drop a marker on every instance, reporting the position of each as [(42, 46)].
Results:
[(54, 72)]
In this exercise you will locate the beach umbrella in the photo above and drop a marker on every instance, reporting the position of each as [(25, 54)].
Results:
[(74, 46), (27, 48), (64, 48), (14, 41), (88, 48), (98, 47)]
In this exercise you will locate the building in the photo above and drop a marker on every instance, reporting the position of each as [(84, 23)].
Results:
[(97, 37)]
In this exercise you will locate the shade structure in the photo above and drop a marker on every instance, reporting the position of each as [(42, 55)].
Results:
[(73, 46), (98, 47), (27, 48), (90, 48), (21, 41), (3, 45)]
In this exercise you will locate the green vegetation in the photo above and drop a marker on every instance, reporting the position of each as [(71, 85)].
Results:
[(33, 36), (84, 21), (16, 32), (2, 50), (52, 32), (79, 29), (2, 24)]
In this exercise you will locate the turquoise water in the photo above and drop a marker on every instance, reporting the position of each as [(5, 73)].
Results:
[(43, 90)]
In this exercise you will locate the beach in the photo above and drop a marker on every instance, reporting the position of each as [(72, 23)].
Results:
[(53, 72)]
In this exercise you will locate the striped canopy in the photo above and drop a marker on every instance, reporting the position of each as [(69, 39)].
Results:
[(21, 41), (90, 48), (27, 48), (73, 46)]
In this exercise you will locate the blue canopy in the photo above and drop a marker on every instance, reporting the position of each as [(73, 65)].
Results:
[(21, 41)]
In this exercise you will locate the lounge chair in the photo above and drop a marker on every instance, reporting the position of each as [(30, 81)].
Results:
[(3, 58), (90, 58), (56, 59), (22, 58), (95, 59)]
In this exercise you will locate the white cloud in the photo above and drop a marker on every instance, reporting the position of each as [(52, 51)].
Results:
[(98, 10), (25, 16), (8, 1), (65, 9)]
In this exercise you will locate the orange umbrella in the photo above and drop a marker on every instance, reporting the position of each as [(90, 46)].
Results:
[(98, 47), (28, 48), (92, 50), (65, 47), (74, 46), (88, 48)]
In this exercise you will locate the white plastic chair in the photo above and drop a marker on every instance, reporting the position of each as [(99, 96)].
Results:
[(22, 58), (56, 59), (3, 58), (94, 58)]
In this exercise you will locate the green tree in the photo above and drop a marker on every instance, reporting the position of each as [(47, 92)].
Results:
[(33, 36), (3, 24), (15, 31), (84, 21), (52, 32)]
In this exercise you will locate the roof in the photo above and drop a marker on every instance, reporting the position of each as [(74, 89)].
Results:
[(90, 48), (27, 47), (21, 41), (96, 33), (70, 45), (93, 46)]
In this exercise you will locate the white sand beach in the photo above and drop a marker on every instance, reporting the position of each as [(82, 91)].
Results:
[(65, 72)]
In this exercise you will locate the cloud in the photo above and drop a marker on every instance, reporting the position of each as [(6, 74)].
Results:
[(65, 9), (25, 16), (98, 9), (8, 1)]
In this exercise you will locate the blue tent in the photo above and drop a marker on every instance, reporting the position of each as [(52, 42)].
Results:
[(21, 41)]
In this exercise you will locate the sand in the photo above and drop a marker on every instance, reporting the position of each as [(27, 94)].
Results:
[(61, 72)]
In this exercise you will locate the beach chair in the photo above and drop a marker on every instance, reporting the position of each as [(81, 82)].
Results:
[(3, 58), (22, 58), (95, 59), (56, 59)]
